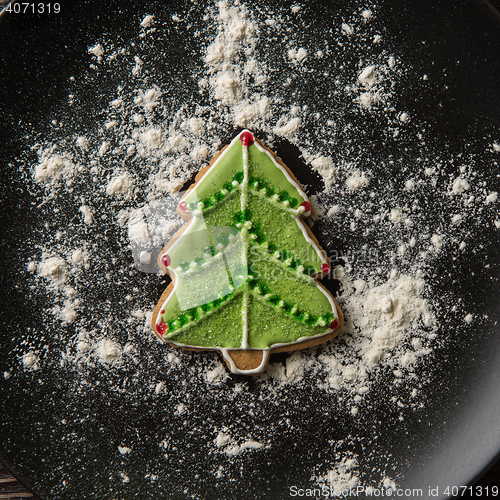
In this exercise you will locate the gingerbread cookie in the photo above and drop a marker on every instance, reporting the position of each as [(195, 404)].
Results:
[(244, 267)]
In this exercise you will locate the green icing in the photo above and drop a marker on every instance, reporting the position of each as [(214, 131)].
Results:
[(261, 166), (283, 232), (222, 328), (284, 283), (267, 326), (214, 181), (244, 247), (195, 244), (223, 214)]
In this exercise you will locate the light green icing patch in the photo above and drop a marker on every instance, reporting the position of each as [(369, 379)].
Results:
[(222, 328), (204, 284), (211, 261), (214, 180), (284, 283), (282, 230), (267, 326), (195, 244), (263, 167), (260, 166)]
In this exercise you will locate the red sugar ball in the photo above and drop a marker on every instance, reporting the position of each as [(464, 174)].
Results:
[(307, 206), (334, 324), (161, 327), (246, 139)]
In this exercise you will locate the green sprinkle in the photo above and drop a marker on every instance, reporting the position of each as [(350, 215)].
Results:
[(219, 196), (299, 314), (239, 176), (252, 282), (274, 299), (283, 196), (311, 320), (228, 186), (293, 202), (327, 317), (238, 217), (271, 248), (260, 238), (184, 266), (193, 313)]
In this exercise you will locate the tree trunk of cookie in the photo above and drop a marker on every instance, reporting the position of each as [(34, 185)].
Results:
[(246, 361)]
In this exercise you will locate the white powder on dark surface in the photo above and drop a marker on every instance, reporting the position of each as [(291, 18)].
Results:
[(108, 351), (147, 21), (97, 51), (343, 477), (227, 445), (30, 360), (121, 177), (357, 181)]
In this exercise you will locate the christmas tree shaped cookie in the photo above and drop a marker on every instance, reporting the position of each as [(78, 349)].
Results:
[(244, 267)]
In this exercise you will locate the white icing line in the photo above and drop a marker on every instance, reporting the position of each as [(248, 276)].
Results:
[(310, 241), (244, 236), (244, 184), (244, 313)]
